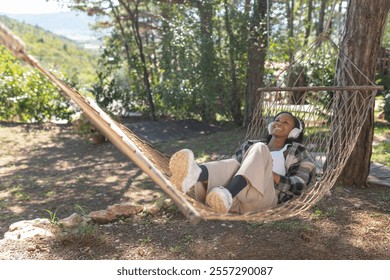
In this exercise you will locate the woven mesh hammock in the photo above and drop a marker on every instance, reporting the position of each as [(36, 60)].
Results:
[(333, 116)]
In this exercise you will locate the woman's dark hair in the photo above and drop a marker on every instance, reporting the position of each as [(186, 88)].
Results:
[(298, 123)]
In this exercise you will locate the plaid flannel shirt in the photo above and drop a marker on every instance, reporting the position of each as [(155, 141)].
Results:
[(301, 171)]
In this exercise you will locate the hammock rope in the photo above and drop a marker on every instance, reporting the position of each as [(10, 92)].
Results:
[(331, 133)]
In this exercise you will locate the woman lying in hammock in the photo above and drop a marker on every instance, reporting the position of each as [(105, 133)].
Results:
[(260, 175)]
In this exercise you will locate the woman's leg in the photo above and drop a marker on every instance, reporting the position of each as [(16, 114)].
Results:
[(256, 170), (186, 172), (256, 167), (252, 186), (221, 172), (204, 174)]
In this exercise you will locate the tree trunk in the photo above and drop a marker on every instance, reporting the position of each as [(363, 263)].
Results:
[(207, 60), (235, 104), (321, 20), (308, 21), (365, 21), (290, 27), (133, 15), (257, 46), (296, 78), (116, 14)]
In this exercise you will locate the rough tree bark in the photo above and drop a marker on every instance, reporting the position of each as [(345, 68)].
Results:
[(134, 18), (207, 59), (235, 101), (257, 47), (321, 19), (308, 20), (365, 21)]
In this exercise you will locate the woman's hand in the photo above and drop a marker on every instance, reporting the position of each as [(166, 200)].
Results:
[(276, 178)]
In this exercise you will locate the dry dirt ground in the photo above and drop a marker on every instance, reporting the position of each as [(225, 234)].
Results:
[(51, 170)]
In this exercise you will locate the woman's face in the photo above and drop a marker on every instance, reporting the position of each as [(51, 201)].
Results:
[(283, 125)]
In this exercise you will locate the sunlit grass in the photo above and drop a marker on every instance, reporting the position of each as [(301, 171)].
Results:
[(381, 128), (381, 153)]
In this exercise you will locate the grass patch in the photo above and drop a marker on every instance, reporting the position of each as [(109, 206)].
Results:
[(53, 218), (145, 184), (208, 147), (377, 215), (3, 204), (17, 192), (175, 248), (187, 239), (85, 234), (86, 230), (381, 128), (384, 196), (321, 214), (145, 240), (284, 225), (81, 210), (381, 153), (49, 194)]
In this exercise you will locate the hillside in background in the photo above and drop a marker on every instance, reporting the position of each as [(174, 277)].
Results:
[(56, 52), (73, 25)]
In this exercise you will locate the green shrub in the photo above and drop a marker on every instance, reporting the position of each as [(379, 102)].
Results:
[(26, 95)]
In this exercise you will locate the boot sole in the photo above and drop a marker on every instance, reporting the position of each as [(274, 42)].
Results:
[(215, 201), (185, 172)]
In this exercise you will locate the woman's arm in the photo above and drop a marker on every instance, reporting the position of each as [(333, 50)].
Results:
[(276, 178), (299, 176)]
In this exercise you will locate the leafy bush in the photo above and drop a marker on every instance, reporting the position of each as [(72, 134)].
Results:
[(26, 95)]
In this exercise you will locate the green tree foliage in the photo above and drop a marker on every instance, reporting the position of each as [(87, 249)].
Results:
[(184, 45), (186, 87), (26, 95), (195, 58), (192, 58)]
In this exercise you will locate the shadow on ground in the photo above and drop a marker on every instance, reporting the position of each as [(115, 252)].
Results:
[(51, 168)]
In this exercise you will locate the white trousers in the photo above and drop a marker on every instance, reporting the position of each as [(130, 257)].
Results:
[(256, 167)]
